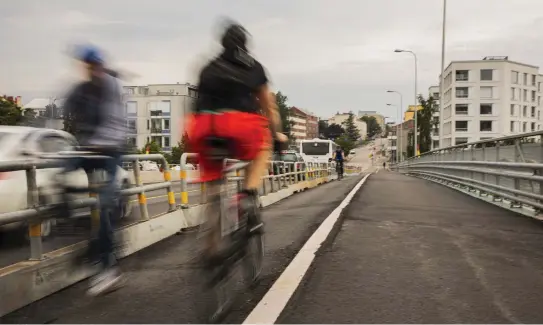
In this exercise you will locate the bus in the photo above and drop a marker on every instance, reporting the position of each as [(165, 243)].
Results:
[(317, 150)]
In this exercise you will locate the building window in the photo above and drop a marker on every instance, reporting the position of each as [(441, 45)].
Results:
[(193, 93), (485, 126), (512, 109), (462, 75), (131, 124), (525, 79), (533, 126), (486, 92), (525, 111), (514, 77), (131, 141), (462, 92), (436, 96), (461, 109), (524, 127), (533, 111), (486, 74), (513, 94), (485, 109), (458, 141), (166, 141), (131, 108), (512, 127), (148, 124), (539, 115), (525, 95), (166, 124), (533, 96), (129, 91), (461, 126), (533, 80)]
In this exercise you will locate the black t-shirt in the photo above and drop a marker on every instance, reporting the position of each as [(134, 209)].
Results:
[(230, 83)]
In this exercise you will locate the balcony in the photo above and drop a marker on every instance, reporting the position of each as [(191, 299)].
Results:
[(156, 130)]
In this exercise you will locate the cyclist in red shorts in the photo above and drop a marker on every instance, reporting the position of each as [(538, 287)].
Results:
[(236, 103)]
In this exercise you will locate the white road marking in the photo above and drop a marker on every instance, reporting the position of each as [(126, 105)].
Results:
[(272, 304)]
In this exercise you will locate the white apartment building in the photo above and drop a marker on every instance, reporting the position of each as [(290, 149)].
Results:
[(155, 113), (378, 117), (434, 92), (489, 98), (341, 118)]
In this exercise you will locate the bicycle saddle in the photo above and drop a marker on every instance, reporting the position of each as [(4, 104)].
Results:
[(219, 148)]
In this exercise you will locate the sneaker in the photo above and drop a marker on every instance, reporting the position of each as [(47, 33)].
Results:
[(106, 281)]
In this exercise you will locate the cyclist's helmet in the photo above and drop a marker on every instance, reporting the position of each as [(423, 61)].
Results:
[(235, 36), (89, 54)]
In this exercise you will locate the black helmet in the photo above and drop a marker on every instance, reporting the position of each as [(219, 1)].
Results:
[(235, 36)]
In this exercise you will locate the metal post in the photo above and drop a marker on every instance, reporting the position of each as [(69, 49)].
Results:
[(183, 179), (171, 195), (34, 229), (442, 77), (144, 214)]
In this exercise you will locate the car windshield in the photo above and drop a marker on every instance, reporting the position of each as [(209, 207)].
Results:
[(288, 157)]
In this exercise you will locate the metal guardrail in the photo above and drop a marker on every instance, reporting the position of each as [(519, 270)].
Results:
[(288, 174), (507, 169)]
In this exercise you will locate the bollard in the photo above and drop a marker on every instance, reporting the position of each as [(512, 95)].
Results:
[(34, 228), (141, 196), (184, 193), (171, 195), (238, 182)]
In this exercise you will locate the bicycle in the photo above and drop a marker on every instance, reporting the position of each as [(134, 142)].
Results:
[(339, 169), (241, 233)]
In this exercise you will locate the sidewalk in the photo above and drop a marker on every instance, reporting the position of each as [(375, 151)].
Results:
[(411, 251)]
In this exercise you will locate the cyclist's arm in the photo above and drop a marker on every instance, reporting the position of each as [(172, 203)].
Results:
[(269, 107)]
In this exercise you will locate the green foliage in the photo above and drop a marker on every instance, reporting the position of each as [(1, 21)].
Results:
[(351, 130), (373, 126), (425, 123), (284, 111), (346, 144), (10, 113), (333, 131)]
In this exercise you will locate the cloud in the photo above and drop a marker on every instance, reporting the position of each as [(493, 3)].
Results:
[(326, 56)]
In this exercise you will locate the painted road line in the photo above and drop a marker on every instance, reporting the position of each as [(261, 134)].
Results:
[(274, 301)]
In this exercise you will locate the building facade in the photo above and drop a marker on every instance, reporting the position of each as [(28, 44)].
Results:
[(339, 119), (156, 113), (433, 91), (305, 125), (489, 98), (378, 117)]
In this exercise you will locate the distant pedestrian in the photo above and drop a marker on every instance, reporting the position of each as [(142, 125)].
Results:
[(384, 165)]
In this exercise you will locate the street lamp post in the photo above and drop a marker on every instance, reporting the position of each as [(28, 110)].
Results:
[(416, 133), (399, 136), (441, 77)]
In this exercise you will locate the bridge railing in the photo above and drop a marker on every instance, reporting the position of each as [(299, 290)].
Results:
[(283, 174), (507, 169)]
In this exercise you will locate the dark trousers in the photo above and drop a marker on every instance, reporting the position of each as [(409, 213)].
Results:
[(102, 247)]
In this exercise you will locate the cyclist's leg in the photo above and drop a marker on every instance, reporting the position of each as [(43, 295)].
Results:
[(110, 275)]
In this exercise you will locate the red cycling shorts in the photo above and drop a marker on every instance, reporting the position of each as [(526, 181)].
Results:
[(249, 132)]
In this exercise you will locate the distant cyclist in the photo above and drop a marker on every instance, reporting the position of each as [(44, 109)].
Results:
[(339, 156), (96, 110), (234, 102)]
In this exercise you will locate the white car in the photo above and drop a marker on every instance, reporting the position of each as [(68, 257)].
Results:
[(20, 143)]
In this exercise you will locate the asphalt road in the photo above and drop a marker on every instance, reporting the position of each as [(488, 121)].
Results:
[(163, 283), (411, 251)]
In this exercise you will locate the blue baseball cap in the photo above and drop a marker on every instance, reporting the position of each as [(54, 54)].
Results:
[(89, 54)]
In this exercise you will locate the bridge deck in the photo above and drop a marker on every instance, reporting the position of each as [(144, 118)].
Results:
[(411, 251)]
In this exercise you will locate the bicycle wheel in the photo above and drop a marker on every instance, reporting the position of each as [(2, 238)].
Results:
[(254, 259)]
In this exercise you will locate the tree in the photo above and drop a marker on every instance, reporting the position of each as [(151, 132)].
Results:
[(323, 126), (10, 113), (345, 143), (373, 126), (351, 130), (425, 123), (286, 123), (334, 131), (153, 148)]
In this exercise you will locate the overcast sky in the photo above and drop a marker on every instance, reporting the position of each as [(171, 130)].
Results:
[(325, 55)]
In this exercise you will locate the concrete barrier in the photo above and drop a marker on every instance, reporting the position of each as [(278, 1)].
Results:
[(29, 281)]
